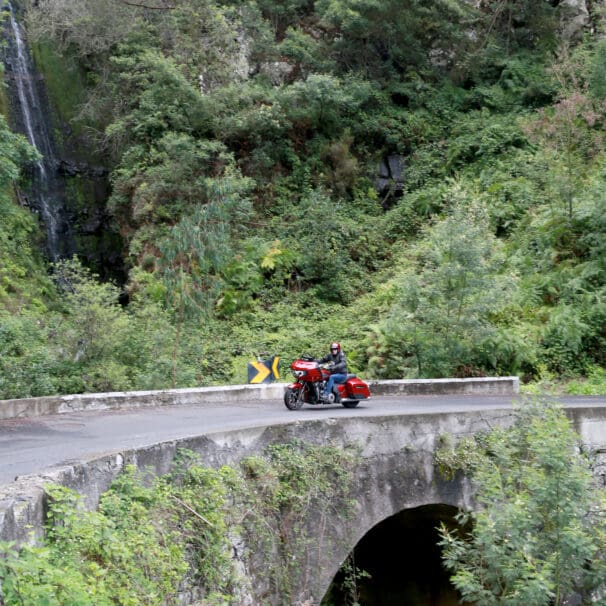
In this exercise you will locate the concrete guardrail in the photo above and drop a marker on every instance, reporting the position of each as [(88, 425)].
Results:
[(33, 407)]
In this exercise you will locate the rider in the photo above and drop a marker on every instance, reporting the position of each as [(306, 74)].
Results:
[(338, 367)]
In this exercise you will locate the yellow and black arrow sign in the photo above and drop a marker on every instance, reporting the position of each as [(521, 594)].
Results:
[(263, 371)]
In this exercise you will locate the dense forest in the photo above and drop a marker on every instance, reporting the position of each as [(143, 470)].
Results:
[(423, 181)]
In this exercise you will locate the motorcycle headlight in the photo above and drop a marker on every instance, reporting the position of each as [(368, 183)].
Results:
[(298, 373)]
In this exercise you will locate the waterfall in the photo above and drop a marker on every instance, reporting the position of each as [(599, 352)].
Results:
[(31, 118)]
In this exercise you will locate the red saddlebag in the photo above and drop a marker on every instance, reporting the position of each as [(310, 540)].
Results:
[(357, 389)]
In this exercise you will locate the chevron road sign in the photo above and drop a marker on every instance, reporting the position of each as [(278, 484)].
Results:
[(263, 371)]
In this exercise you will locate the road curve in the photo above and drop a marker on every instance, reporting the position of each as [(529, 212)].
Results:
[(37, 444)]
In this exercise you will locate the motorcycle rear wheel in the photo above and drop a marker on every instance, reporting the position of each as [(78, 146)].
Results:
[(293, 398), (350, 403)]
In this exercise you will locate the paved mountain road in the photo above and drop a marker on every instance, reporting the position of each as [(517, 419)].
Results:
[(35, 444)]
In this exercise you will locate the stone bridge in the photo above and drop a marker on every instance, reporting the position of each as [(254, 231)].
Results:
[(397, 487)]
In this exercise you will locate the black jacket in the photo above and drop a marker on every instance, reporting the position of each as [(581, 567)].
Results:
[(338, 361)]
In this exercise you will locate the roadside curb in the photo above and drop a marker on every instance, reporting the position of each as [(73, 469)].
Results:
[(47, 405)]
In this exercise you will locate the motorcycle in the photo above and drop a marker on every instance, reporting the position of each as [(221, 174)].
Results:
[(310, 380)]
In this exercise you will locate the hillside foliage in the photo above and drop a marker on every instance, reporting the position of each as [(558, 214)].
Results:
[(244, 141)]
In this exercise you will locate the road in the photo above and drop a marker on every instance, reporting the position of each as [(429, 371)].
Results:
[(33, 445)]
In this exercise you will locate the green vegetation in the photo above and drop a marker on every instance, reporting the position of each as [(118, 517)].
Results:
[(154, 537), (63, 81), (243, 143), (538, 533), (23, 283)]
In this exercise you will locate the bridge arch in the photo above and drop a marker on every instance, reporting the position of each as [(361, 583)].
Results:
[(398, 491), (399, 562)]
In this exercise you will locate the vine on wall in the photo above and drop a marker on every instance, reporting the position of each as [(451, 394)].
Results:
[(196, 533)]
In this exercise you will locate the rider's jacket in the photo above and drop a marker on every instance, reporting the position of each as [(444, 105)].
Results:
[(338, 361)]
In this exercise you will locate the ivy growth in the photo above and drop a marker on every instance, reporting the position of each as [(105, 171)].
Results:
[(197, 528), (294, 493)]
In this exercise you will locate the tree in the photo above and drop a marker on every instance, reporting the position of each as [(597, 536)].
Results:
[(318, 103), (198, 248), (563, 277), (92, 333), (88, 28), (385, 38), (571, 130), (152, 98), (537, 533), (156, 186), (445, 296), (27, 362), (514, 24)]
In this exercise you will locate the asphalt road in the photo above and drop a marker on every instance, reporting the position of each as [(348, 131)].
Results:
[(33, 445)]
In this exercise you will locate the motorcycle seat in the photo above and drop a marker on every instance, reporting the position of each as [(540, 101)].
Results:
[(350, 376)]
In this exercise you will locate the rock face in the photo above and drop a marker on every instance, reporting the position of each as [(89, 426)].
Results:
[(391, 176), (574, 20), (278, 72)]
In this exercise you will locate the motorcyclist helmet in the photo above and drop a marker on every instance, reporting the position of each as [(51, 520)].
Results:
[(335, 347)]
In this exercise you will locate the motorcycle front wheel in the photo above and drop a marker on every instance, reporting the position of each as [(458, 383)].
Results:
[(293, 398)]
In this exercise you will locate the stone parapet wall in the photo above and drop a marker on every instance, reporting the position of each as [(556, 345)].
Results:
[(483, 386), (33, 407)]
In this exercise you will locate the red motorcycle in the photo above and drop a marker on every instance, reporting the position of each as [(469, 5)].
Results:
[(310, 379)]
